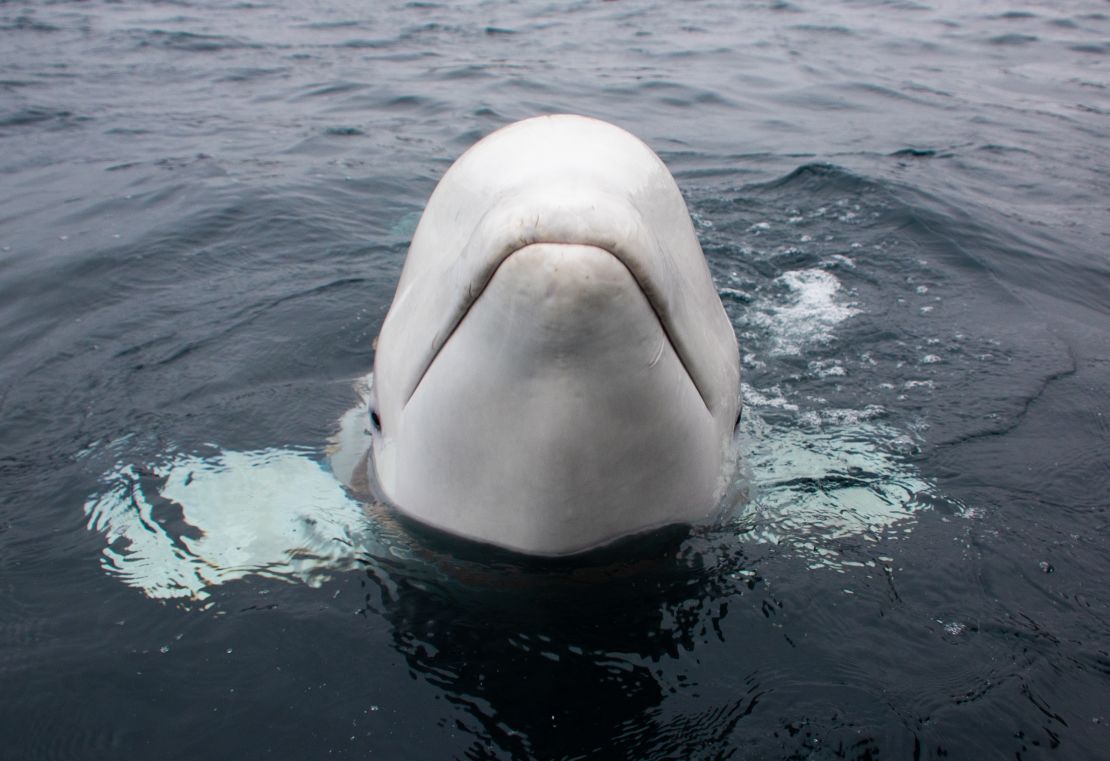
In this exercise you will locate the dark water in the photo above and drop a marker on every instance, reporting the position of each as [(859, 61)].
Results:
[(204, 208)]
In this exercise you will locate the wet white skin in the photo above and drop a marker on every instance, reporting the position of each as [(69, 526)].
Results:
[(556, 370)]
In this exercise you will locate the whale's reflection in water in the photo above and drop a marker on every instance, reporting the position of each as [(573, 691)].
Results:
[(553, 659)]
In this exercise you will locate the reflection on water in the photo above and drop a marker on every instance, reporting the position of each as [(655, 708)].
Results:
[(569, 661)]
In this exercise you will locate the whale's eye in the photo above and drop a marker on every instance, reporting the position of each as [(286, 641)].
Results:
[(375, 420), (739, 414)]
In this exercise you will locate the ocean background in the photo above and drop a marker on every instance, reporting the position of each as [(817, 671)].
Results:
[(204, 209)]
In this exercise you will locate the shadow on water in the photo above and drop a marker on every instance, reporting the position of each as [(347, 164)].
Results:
[(567, 659)]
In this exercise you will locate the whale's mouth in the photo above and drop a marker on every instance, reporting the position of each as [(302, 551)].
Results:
[(474, 292)]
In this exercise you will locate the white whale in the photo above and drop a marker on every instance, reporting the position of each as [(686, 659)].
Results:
[(556, 370)]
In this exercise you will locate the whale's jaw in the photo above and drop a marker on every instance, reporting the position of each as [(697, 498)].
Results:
[(556, 417)]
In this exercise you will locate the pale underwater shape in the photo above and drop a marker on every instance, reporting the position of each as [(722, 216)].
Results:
[(275, 513), (814, 488)]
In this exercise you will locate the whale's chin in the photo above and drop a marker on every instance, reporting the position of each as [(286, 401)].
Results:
[(577, 417)]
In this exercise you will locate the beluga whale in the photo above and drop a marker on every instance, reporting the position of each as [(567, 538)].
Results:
[(556, 370)]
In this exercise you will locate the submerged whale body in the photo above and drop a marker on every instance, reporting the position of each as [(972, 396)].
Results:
[(556, 370)]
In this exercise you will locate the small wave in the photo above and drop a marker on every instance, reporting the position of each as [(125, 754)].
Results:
[(1095, 48), (915, 153), (27, 24), (343, 131), (251, 73), (827, 29), (325, 25), (1013, 39), (818, 179), (680, 95), (327, 89), (465, 72), (189, 41), (39, 116), (368, 44)]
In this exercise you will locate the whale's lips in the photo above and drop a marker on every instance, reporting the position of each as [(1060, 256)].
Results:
[(578, 218)]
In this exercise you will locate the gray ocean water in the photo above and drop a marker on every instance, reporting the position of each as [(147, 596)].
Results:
[(204, 208)]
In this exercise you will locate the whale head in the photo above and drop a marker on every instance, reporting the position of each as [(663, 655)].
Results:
[(556, 370)]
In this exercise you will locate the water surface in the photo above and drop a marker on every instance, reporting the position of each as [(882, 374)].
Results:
[(203, 213)]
